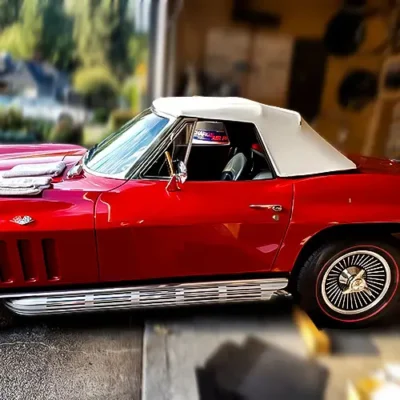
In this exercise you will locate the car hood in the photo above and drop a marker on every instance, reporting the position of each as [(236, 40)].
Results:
[(11, 155), (375, 164)]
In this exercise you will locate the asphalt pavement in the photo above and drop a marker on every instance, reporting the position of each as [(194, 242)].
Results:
[(86, 357)]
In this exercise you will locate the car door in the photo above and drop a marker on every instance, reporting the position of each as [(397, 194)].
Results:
[(207, 228)]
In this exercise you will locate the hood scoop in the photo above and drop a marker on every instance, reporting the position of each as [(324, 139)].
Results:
[(29, 179)]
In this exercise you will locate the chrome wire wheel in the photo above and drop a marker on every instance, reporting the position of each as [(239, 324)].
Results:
[(356, 282)]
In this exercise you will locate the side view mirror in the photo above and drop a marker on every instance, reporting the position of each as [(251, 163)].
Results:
[(178, 174)]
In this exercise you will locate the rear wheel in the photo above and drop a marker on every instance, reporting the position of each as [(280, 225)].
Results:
[(350, 283)]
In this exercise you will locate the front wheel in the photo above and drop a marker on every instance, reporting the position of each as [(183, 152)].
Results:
[(350, 283)]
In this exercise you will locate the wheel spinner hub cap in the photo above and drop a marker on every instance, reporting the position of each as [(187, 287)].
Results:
[(353, 280), (356, 282)]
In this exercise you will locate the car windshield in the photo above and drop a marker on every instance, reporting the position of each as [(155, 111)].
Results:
[(119, 152)]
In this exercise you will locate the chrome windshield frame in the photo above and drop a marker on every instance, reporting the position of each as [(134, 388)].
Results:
[(126, 174), (168, 138)]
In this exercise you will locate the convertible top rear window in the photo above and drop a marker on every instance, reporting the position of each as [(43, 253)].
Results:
[(119, 152)]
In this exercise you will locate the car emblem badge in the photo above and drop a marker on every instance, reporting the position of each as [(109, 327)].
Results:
[(22, 220)]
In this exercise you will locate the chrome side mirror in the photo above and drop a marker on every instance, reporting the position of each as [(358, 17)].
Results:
[(178, 175), (181, 173)]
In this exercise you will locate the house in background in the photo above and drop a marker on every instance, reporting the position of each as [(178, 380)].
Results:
[(32, 79)]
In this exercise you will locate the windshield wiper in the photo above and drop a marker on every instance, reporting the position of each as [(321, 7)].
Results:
[(91, 152)]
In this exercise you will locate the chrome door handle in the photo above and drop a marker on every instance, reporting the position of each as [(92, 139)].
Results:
[(273, 207)]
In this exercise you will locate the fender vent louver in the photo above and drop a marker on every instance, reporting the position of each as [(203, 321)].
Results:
[(50, 259), (26, 258), (5, 267)]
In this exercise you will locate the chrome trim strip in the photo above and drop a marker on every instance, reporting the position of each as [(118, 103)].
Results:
[(151, 296)]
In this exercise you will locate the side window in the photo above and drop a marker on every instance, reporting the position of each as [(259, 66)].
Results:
[(220, 151), (178, 150)]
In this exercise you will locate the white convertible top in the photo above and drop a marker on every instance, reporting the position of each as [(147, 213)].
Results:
[(293, 146)]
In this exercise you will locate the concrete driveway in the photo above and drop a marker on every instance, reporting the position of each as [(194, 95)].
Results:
[(188, 354)]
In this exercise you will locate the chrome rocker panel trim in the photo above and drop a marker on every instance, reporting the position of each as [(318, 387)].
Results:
[(151, 296)]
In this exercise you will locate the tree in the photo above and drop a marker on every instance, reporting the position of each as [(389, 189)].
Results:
[(98, 85), (22, 37), (43, 31), (56, 42), (101, 32), (32, 25), (11, 41), (9, 12), (120, 39)]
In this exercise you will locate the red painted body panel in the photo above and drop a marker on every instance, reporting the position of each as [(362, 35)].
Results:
[(326, 201), (208, 228), (110, 230), (64, 220)]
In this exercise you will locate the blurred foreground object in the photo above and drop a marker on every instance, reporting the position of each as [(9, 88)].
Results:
[(259, 371), (383, 385), (317, 341)]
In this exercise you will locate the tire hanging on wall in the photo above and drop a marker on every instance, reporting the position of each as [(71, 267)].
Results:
[(345, 33), (358, 88)]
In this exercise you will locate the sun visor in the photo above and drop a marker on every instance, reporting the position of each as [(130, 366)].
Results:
[(210, 133)]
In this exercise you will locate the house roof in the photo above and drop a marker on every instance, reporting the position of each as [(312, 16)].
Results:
[(47, 78), (293, 146)]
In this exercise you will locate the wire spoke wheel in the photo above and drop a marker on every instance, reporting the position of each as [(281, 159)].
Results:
[(356, 282)]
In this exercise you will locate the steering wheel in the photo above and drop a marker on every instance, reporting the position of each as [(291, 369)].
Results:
[(235, 167)]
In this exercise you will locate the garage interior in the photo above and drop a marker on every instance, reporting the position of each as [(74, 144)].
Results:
[(333, 61)]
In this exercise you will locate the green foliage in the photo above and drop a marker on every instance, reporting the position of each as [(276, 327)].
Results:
[(120, 38), (56, 43), (131, 93), (98, 85), (118, 118), (11, 120), (41, 128), (9, 12), (89, 38), (65, 132), (43, 30), (12, 41), (32, 25), (86, 79), (100, 32), (100, 115), (138, 50), (68, 33), (22, 38), (15, 128)]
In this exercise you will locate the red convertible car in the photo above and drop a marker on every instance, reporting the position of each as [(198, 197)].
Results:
[(200, 200)]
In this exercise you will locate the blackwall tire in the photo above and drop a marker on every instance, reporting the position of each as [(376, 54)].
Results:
[(350, 284)]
